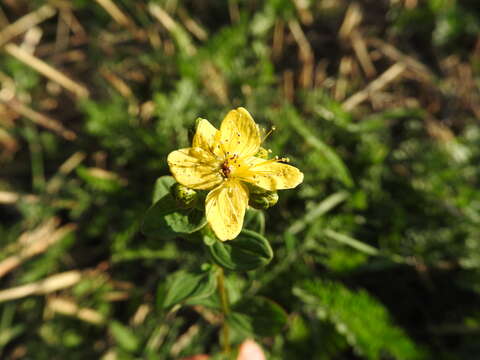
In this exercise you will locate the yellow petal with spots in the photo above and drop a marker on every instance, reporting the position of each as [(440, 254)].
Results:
[(205, 136), (271, 175), (225, 209), (239, 134), (195, 168)]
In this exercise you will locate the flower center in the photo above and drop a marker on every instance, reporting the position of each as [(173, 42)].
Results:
[(229, 165), (226, 169)]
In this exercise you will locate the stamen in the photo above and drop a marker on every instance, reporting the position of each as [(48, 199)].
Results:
[(272, 129), (222, 147), (276, 159)]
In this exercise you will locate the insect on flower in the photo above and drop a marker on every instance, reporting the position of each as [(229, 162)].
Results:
[(224, 161)]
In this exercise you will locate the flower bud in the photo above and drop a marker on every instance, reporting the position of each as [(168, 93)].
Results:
[(262, 153), (185, 196), (263, 200)]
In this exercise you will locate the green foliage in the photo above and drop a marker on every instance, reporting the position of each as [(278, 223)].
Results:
[(249, 251), (182, 286), (124, 336), (360, 318), (167, 218), (162, 187), (391, 188), (257, 316)]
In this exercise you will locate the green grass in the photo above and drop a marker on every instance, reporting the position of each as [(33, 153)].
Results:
[(376, 254)]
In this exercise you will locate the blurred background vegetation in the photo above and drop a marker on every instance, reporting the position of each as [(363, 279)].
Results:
[(377, 254)]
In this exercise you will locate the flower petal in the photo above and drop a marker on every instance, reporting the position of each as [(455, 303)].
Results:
[(225, 208), (239, 134), (205, 135), (195, 168), (271, 175)]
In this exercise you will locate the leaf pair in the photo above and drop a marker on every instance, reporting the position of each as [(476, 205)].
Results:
[(248, 251), (185, 286), (167, 219), (252, 316)]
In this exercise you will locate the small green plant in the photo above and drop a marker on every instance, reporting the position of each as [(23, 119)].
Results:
[(214, 182)]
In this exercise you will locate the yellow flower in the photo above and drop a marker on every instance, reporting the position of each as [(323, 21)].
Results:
[(223, 161)]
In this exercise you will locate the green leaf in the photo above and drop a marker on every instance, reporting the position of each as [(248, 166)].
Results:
[(101, 180), (354, 243), (248, 251), (255, 220), (208, 236), (322, 208), (258, 316), (166, 219), (124, 336), (339, 169), (182, 286), (162, 187), (10, 333), (361, 319)]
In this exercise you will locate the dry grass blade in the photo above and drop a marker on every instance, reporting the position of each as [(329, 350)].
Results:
[(215, 82), (234, 11), (198, 31), (184, 340), (3, 18), (376, 85), (52, 283), (36, 117), (141, 314), (119, 85), (360, 48), (8, 197), (396, 55), (304, 13), (70, 308), (306, 53), (100, 173), (26, 22), (8, 144), (278, 39), (341, 84), (172, 26), (114, 11), (46, 70), (71, 163), (36, 242), (68, 166), (353, 17), (111, 354), (207, 314), (288, 85), (162, 16), (411, 4)]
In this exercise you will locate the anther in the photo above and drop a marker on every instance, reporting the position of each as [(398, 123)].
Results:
[(272, 129)]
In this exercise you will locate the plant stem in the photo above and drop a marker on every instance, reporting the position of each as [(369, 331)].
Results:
[(225, 334)]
